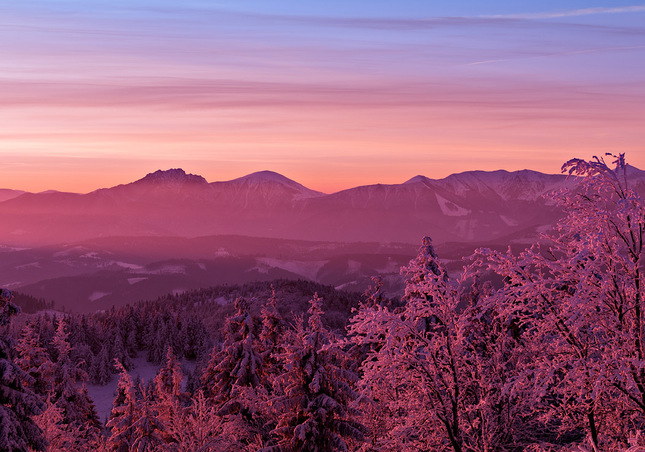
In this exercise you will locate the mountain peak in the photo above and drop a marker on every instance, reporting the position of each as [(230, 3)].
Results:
[(415, 179), (267, 176), (173, 176), (273, 179)]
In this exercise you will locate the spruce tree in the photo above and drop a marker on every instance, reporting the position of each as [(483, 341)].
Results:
[(170, 401), (238, 363), (147, 429), (34, 359), (124, 414), (271, 337), (69, 392), (101, 369), (316, 408), (18, 404)]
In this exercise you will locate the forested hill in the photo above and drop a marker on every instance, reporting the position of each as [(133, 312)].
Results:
[(213, 304)]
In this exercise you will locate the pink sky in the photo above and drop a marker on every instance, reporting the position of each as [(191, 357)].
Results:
[(97, 97)]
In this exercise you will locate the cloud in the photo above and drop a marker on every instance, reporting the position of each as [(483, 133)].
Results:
[(527, 99), (572, 13)]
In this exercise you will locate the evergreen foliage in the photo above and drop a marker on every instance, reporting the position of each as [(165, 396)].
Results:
[(18, 404), (316, 412)]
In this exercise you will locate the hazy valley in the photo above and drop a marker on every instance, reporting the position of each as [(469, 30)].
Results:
[(170, 232)]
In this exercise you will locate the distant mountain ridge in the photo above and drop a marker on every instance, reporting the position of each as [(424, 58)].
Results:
[(464, 207), (6, 194)]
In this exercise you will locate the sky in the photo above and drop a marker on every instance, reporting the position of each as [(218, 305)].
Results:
[(333, 94)]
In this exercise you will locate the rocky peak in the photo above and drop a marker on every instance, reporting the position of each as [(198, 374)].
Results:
[(174, 176)]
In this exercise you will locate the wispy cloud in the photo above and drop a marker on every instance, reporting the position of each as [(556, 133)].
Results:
[(572, 13)]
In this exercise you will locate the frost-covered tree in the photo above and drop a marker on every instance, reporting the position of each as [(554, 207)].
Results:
[(147, 428), (34, 359), (436, 367), (123, 415), (59, 435), (69, 392), (200, 429), (316, 410), (170, 400), (134, 424), (232, 379), (238, 363), (18, 403), (579, 295), (271, 339)]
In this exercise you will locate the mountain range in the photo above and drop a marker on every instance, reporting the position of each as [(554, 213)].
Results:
[(170, 232), (467, 207)]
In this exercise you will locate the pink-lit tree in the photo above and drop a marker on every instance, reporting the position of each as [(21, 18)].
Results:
[(579, 295), (437, 366), (316, 410)]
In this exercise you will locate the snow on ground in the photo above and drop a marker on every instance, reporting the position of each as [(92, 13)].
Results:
[(103, 396), (347, 284), (97, 295), (29, 265), (11, 284), (451, 209), (90, 255), (7, 249), (221, 252), (126, 265), (508, 221), (222, 301), (132, 281), (68, 251)]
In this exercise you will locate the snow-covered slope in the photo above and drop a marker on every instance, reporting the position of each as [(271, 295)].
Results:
[(267, 181), (263, 189), (465, 207)]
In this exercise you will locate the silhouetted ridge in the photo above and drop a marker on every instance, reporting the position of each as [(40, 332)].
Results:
[(172, 176), (416, 179)]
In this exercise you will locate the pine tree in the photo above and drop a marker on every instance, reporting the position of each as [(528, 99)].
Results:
[(147, 428), (271, 337), (170, 401), (69, 392), (34, 359), (18, 404), (315, 409), (238, 363), (195, 339), (118, 351), (124, 414), (200, 429), (101, 369), (59, 436)]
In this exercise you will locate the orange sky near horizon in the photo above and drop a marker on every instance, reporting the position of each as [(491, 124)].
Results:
[(92, 98)]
